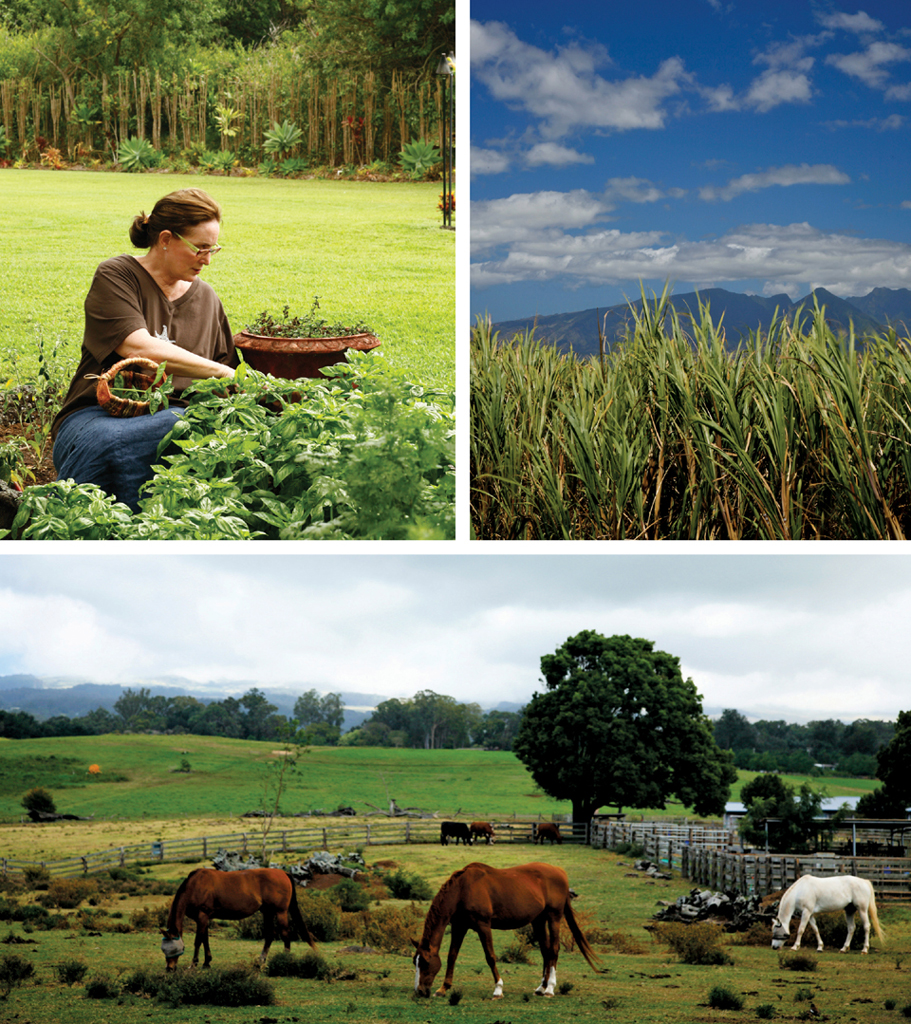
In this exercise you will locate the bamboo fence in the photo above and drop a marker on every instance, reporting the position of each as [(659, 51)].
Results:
[(346, 119)]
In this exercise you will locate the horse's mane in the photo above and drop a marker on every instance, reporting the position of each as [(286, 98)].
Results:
[(436, 915)]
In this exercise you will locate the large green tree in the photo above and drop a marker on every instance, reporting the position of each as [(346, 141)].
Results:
[(892, 799), (619, 726)]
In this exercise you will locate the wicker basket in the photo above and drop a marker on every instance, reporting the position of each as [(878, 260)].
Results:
[(116, 405)]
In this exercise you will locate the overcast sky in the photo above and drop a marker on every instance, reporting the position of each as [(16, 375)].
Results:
[(774, 636), (759, 147)]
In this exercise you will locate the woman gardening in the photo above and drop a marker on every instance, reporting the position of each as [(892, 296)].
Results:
[(156, 307)]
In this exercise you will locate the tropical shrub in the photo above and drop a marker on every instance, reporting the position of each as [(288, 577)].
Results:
[(282, 138), (418, 157), (136, 154)]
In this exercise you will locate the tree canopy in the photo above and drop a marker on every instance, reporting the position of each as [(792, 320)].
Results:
[(620, 726)]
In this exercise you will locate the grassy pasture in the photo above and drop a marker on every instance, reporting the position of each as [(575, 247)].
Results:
[(144, 797), (642, 981), (370, 250)]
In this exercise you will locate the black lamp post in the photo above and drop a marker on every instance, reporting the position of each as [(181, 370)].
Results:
[(445, 71)]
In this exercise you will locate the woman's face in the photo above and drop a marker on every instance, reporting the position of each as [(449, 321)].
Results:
[(187, 253)]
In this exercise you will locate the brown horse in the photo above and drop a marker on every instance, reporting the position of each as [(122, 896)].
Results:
[(481, 898), (229, 896)]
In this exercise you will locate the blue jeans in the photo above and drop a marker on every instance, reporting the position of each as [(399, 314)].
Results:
[(116, 454)]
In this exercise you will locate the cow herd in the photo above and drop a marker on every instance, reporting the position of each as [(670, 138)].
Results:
[(467, 834)]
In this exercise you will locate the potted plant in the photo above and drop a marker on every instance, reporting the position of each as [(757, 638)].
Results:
[(298, 346)]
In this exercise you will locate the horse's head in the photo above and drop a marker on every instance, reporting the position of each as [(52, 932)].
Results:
[(172, 947), (426, 968), (780, 934)]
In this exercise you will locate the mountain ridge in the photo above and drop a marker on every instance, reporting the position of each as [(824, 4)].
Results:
[(738, 313)]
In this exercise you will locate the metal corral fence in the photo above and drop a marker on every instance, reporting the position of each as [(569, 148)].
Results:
[(706, 857), (280, 842)]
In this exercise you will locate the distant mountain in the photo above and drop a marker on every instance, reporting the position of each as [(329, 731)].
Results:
[(45, 697), (737, 313)]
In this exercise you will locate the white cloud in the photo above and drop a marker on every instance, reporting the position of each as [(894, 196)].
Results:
[(487, 161), (790, 174), (869, 66), (527, 216), (563, 89), (554, 154), (859, 23), (774, 87), (796, 257)]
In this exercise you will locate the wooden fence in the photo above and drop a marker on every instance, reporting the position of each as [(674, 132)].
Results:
[(707, 857), (346, 119), (281, 842)]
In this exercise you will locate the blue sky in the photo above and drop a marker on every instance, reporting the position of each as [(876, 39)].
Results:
[(758, 147)]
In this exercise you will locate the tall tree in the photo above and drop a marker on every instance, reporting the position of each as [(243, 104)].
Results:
[(620, 726), (894, 762)]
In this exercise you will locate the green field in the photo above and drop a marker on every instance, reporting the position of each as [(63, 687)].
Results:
[(642, 981), (140, 793), (370, 250), (139, 779)]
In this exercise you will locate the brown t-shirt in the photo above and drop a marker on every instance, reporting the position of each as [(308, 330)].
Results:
[(124, 298)]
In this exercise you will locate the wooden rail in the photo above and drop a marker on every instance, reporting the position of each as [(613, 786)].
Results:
[(280, 842)]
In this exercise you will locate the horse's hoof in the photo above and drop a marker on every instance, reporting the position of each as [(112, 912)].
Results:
[(497, 995)]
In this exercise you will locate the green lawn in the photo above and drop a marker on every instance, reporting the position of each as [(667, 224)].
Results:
[(370, 250)]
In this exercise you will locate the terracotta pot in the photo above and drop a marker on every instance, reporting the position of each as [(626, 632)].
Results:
[(292, 358)]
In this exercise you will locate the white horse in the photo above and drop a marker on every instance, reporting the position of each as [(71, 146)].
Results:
[(810, 895)]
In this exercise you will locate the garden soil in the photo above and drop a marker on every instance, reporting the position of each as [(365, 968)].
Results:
[(43, 469)]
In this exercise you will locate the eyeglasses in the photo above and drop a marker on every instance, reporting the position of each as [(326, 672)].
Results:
[(197, 251)]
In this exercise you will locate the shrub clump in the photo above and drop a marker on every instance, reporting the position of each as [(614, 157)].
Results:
[(218, 986), (721, 998), (69, 972), (390, 929), (516, 952), (349, 896), (68, 893), (40, 800), (406, 885), (14, 969), (798, 960), (310, 965), (102, 986), (694, 943)]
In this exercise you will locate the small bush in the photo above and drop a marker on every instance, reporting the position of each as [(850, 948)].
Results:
[(765, 1012), (694, 943), (68, 893), (515, 953), (149, 918), (39, 799), (390, 929), (405, 885), (14, 969), (798, 961), (227, 986), (455, 996), (721, 998), (803, 995), (349, 896), (69, 972), (310, 965), (565, 987), (323, 917), (619, 942), (102, 986), (906, 1010), (37, 877)]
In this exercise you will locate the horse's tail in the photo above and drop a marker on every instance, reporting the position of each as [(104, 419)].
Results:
[(874, 917), (297, 919), (584, 948)]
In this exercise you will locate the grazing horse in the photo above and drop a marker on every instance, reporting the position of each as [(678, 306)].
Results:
[(481, 898), (810, 895), (548, 830), (456, 830), (231, 895), (482, 828)]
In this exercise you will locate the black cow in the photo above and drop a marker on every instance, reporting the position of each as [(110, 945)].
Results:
[(456, 830)]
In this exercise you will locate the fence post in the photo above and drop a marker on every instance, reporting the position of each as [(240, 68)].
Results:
[(325, 838)]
